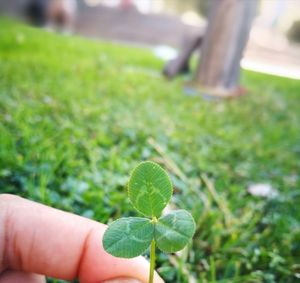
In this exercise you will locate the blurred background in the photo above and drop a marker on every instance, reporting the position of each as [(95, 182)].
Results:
[(209, 89), (273, 47)]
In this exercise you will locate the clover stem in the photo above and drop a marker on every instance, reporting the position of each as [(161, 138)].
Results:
[(152, 261)]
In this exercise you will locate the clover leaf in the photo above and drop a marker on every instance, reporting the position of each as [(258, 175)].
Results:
[(128, 237), (174, 230), (150, 190)]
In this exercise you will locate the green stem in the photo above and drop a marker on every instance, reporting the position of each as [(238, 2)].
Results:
[(152, 261)]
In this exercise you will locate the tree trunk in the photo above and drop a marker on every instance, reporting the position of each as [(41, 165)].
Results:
[(223, 45)]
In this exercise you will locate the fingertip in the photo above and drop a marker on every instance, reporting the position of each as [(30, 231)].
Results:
[(146, 265)]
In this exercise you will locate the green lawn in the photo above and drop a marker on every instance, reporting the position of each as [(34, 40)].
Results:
[(78, 115)]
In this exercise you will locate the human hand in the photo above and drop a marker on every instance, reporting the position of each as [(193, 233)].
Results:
[(36, 239)]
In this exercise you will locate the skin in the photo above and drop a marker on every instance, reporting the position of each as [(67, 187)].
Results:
[(36, 239)]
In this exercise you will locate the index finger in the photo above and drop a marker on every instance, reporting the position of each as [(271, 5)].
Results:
[(39, 239)]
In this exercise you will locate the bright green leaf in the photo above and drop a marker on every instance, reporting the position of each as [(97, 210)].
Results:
[(128, 237), (149, 188), (174, 230)]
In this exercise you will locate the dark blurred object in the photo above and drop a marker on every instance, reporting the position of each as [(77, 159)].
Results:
[(293, 33), (57, 14), (180, 65), (36, 12)]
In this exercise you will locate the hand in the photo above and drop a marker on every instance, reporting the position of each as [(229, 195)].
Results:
[(36, 239)]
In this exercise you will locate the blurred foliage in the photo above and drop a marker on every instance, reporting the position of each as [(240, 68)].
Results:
[(77, 116), (293, 33)]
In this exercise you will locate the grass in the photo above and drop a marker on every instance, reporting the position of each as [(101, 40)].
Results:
[(77, 116)]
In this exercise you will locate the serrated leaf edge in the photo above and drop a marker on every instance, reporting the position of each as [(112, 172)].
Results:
[(128, 184)]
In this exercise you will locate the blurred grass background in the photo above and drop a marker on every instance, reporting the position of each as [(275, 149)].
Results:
[(77, 116)]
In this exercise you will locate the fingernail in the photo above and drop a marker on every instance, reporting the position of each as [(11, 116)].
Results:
[(122, 280)]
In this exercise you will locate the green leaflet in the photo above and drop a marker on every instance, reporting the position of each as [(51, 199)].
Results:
[(149, 189), (174, 230), (128, 237)]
